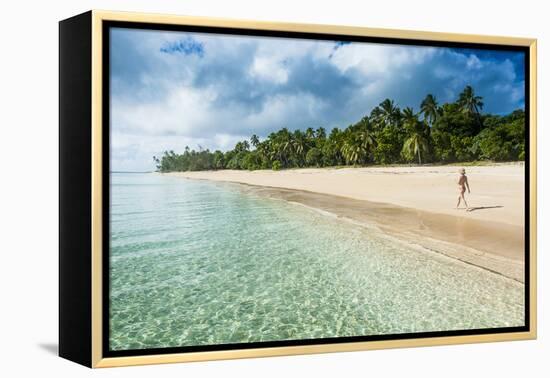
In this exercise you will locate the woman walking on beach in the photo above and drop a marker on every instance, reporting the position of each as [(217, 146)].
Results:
[(462, 185)]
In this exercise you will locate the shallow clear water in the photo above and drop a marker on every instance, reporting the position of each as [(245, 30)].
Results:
[(196, 263)]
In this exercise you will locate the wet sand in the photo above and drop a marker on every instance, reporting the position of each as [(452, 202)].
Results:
[(497, 247)]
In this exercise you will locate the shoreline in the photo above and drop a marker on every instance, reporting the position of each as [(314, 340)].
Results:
[(492, 245), (497, 190)]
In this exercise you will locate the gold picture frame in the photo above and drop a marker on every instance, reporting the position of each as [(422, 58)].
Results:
[(90, 327)]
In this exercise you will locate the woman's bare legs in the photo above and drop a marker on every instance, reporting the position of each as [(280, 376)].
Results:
[(464, 199), (461, 198)]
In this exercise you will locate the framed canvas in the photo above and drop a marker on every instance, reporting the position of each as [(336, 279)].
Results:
[(234, 189)]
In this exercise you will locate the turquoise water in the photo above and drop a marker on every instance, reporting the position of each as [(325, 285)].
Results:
[(197, 263)]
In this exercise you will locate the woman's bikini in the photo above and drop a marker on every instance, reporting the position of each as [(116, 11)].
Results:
[(461, 186)]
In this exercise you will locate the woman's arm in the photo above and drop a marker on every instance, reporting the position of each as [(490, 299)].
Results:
[(467, 185)]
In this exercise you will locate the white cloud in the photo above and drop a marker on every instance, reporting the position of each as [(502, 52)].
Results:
[(375, 59), (473, 62), (183, 110), (279, 109), (269, 69), (513, 90)]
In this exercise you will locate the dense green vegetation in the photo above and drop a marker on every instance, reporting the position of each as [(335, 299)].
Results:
[(452, 132)]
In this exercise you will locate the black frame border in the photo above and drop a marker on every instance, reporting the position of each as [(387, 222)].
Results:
[(105, 77)]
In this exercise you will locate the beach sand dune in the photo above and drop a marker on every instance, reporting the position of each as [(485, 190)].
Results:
[(414, 204)]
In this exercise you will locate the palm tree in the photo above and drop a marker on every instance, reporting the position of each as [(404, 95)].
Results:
[(429, 108), (255, 140), (363, 124), (353, 150), (357, 146), (333, 146), (410, 118), (417, 144), (299, 145), (281, 146), (470, 103), (242, 146), (321, 133), (386, 113), (367, 139)]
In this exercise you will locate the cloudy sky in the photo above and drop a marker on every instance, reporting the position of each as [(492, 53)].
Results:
[(173, 89)]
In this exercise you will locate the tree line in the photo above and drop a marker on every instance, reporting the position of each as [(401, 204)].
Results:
[(453, 132)]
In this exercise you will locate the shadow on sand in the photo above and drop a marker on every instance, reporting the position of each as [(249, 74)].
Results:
[(483, 208)]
